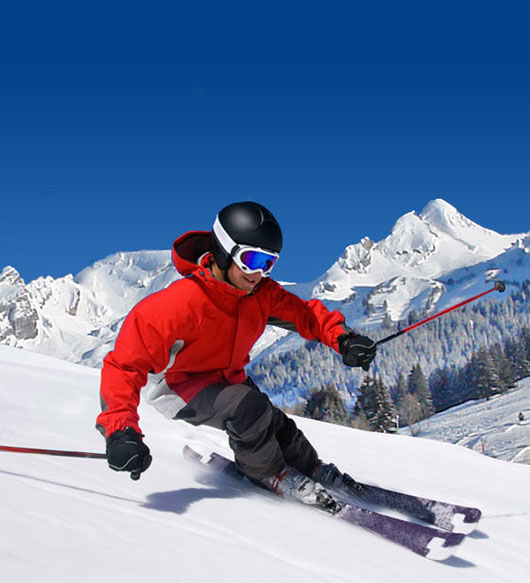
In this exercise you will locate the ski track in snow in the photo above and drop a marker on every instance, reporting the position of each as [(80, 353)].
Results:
[(74, 520)]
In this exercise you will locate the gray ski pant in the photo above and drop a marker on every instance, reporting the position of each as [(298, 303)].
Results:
[(263, 438)]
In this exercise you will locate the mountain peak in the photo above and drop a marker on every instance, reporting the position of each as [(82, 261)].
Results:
[(445, 216), (409, 234), (9, 275), (438, 204), (444, 219)]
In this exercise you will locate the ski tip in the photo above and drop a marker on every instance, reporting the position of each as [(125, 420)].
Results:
[(441, 548), (473, 515), (466, 521)]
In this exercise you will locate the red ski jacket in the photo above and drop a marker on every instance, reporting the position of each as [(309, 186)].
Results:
[(196, 332)]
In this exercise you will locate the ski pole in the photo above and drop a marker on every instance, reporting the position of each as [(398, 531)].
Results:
[(135, 474), (53, 452), (499, 286)]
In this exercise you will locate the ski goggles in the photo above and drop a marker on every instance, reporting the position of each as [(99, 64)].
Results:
[(248, 258), (254, 259)]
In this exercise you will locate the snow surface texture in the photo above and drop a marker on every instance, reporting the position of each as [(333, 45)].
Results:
[(74, 520), (490, 427), (431, 260)]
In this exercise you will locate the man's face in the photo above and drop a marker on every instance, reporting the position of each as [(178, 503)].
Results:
[(241, 280)]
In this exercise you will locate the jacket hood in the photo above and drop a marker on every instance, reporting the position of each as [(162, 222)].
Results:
[(188, 250), (190, 257)]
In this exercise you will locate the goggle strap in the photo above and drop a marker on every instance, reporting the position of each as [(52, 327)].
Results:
[(227, 243)]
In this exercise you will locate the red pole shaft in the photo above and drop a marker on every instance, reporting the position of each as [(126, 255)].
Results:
[(57, 452), (447, 310), (499, 286)]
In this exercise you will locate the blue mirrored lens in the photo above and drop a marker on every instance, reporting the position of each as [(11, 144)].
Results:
[(258, 260)]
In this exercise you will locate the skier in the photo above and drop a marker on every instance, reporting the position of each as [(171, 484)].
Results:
[(190, 344)]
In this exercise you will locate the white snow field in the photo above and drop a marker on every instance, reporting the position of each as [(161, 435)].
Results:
[(74, 520)]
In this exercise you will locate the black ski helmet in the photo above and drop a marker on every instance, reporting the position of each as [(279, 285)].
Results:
[(245, 223)]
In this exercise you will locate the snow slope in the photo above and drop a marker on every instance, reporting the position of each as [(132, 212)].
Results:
[(74, 520), (490, 427)]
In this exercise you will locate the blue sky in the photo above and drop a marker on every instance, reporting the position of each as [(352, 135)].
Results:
[(124, 125)]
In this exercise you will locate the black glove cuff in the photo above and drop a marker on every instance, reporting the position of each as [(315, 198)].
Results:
[(128, 433)]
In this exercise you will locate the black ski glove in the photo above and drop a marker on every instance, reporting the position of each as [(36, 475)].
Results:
[(126, 452), (356, 350)]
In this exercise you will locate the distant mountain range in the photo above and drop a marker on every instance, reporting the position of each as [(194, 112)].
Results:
[(429, 261)]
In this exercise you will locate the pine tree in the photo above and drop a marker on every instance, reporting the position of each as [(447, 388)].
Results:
[(486, 379), (516, 352), (327, 405), (441, 389), (383, 419), (523, 354), (466, 379), (418, 386), (366, 403), (399, 390), (504, 369), (410, 411), (375, 406), (525, 335)]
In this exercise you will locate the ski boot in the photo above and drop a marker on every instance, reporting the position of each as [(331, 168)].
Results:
[(331, 477), (292, 484)]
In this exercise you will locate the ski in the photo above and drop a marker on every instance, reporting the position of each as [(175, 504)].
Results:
[(426, 541), (450, 517)]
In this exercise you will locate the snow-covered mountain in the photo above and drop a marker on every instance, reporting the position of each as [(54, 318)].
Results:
[(77, 318), (74, 520), (428, 261), (421, 250)]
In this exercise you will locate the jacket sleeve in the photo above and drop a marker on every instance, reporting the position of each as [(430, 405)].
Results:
[(312, 320), (142, 347)]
